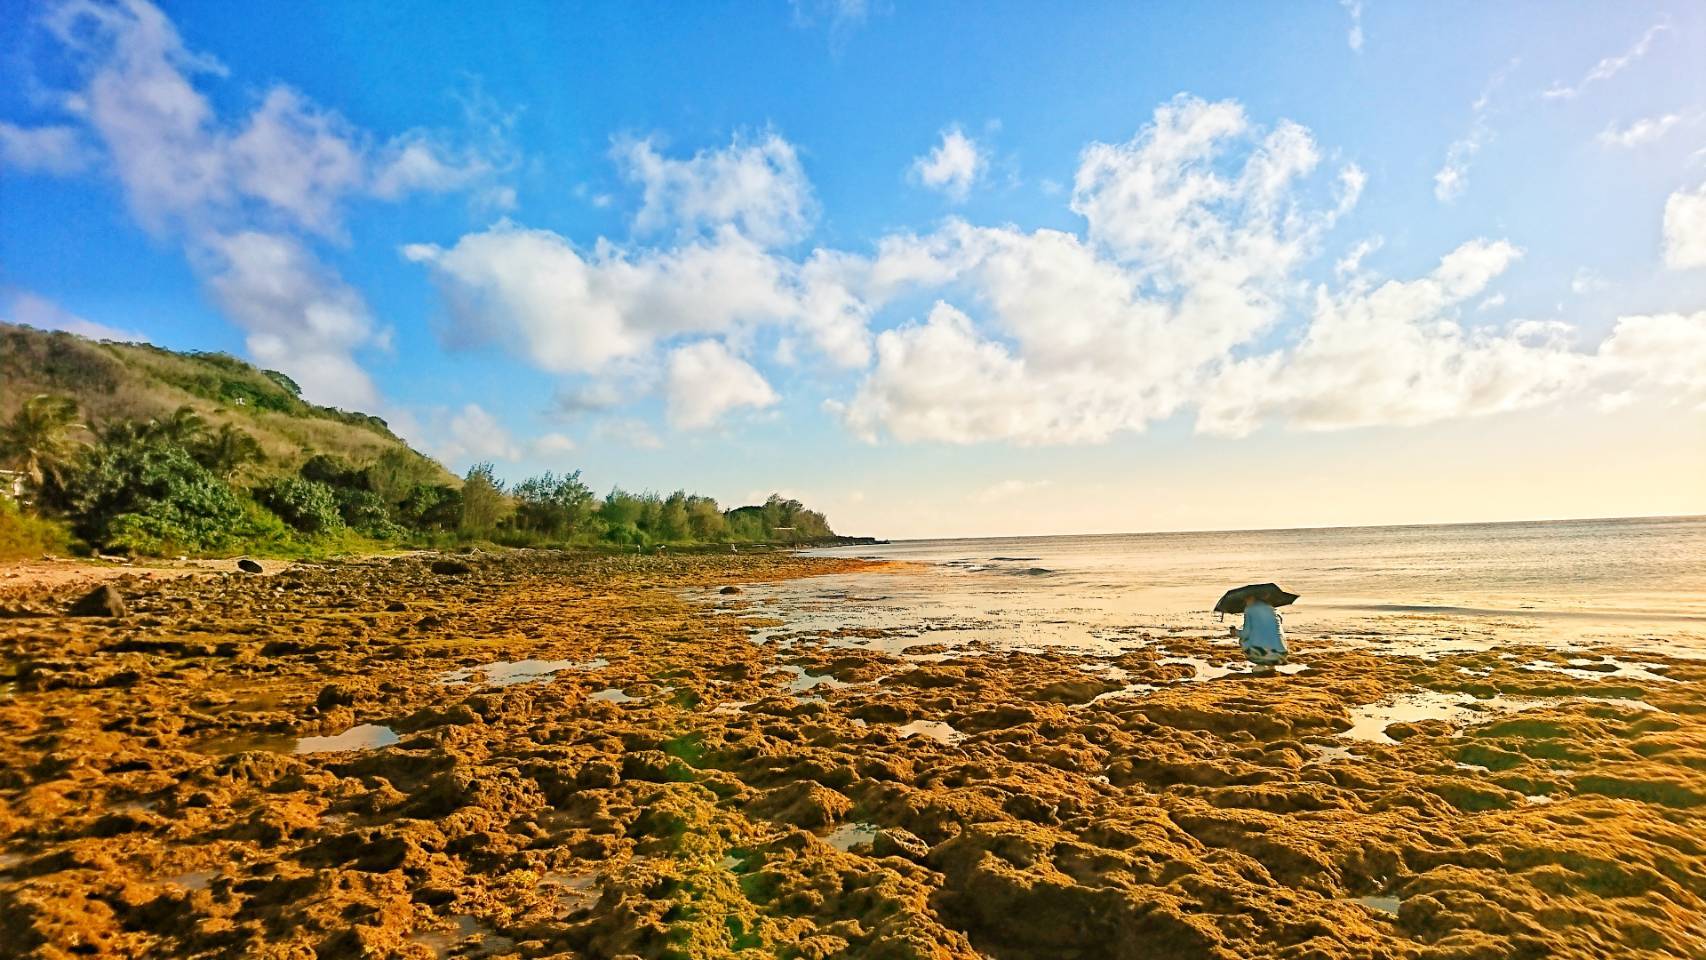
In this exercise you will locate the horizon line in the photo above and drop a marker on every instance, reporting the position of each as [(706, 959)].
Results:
[(1342, 526)]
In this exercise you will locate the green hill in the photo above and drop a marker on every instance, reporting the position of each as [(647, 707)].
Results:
[(137, 381)]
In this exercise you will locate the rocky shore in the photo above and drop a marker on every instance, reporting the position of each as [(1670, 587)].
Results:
[(533, 754)]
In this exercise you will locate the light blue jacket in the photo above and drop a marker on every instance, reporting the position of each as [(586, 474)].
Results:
[(1262, 637)]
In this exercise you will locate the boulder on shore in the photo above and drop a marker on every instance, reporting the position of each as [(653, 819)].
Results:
[(248, 566), (103, 601)]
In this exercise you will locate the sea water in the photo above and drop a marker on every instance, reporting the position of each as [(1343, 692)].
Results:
[(1637, 583)]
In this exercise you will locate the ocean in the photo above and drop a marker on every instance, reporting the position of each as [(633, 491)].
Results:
[(1639, 583)]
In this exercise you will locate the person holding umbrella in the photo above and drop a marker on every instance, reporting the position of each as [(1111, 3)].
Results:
[(1262, 637)]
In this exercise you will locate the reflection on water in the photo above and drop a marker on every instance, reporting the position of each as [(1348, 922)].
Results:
[(506, 673), (934, 729), (1369, 721), (1382, 904), (1400, 590), (362, 736), (850, 835), (194, 880)]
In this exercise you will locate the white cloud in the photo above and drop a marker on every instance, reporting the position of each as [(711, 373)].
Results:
[(1608, 67), (571, 403), (1666, 351), (1452, 178), (953, 166), (473, 434), (1353, 36), (57, 150), (759, 188), (1396, 354), (299, 316), (548, 445), (1173, 299), (1350, 264), (1685, 229), (240, 191), (43, 314), (1586, 281), (706, 381), (572, 313), (1642, 131)]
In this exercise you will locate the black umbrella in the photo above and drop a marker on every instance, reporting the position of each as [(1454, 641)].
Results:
[(1270, 593)]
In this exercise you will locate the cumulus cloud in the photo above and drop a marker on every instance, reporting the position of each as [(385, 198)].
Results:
[(548, 445), (1396, 354), (238, 190), (757, 187), (953, 166), (54, 149), (1177, 296), (1665, 351), (706, 381), (571, 403), (1685, 229), (37, 311), (1607, 67), (472, 434), (298, 315), (1188, 254), (570, 311)]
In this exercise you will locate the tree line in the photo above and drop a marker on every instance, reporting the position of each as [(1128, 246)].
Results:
[(177, 485)]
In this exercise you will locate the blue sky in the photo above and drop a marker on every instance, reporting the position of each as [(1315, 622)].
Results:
[(941, 269)]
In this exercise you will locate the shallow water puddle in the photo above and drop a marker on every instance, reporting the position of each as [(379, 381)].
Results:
[(505, 673), (572, 891), (612, 695), (1369, 721), (804, 680), (1325, 752), (934, 729), (194, 879), (850, 835), (1382, 904), (1601, 668), (1129, 690), (362, 736)]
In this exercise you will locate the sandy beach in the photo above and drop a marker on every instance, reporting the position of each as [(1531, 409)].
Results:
[(554, 755)]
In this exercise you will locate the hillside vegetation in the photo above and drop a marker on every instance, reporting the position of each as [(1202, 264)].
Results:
[(129, 448), (141, 382)]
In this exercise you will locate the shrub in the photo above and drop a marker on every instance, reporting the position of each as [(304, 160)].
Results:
[(147, 495), (307, 505), (24, 536), (333, 471), (365, 512), (432, 506)]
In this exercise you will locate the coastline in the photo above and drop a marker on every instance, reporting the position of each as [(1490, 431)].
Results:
[(658, 784)]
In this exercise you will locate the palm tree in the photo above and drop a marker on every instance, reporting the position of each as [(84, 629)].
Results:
[(184, 427), (37, 440), (228, 449)]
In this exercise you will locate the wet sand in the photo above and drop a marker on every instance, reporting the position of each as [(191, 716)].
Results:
[(327, 763)]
